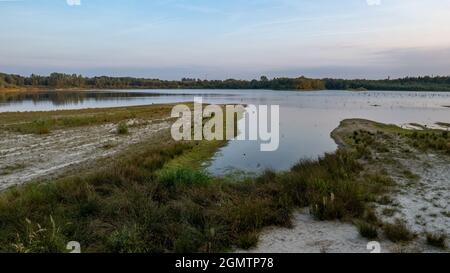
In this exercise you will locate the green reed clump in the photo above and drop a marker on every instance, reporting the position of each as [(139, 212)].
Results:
[(183, 176), (329, 186), (367, 230), (248, 241), (122, 128)]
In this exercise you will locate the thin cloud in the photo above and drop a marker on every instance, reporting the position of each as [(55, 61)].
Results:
[(283, 23), (373, 2), (195, 8), (73, 2)]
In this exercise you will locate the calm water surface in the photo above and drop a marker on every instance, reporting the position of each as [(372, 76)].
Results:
[(306, 118)]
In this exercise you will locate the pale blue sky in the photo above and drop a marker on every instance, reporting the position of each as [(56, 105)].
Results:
[(221, 39)]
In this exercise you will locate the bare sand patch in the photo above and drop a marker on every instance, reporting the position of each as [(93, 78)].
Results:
[(311, 236), (26, 157)]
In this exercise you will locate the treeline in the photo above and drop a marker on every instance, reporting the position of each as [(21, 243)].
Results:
[(58, 80), (404, 84), (61, 81)]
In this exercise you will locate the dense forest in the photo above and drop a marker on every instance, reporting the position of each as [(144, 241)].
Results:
[(404, 84), (61, 81), (58, 80)]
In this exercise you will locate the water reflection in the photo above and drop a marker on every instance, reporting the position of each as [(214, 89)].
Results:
[(66, 97), (65, 100)]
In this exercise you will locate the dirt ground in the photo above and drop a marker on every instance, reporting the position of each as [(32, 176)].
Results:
[(26, 157), (311, 236)]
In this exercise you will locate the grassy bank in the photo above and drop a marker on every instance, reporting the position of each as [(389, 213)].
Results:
[(362, 133), (45, 122)]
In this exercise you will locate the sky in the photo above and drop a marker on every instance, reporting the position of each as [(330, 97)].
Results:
[(220, 39)]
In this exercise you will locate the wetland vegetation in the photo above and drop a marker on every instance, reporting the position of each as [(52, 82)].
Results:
[(155, 196), (144, 203)]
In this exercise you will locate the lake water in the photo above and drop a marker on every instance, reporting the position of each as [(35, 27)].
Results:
[(306, 118)]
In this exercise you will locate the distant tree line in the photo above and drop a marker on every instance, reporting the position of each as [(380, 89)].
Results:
[(61, 81), (404, 84), (58, 80)]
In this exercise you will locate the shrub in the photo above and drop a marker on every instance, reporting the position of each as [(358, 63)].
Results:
[(398, 232), (367, 230), (436, 240), (327, 208), (122, 128), (248, 240), (371, 217), (41, 127), (189, 241)]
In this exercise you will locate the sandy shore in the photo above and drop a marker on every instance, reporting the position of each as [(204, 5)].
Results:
[(421, 199), (26, 157), (311, 236)]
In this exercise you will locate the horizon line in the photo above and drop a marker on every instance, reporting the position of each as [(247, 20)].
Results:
[(237, 79)]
